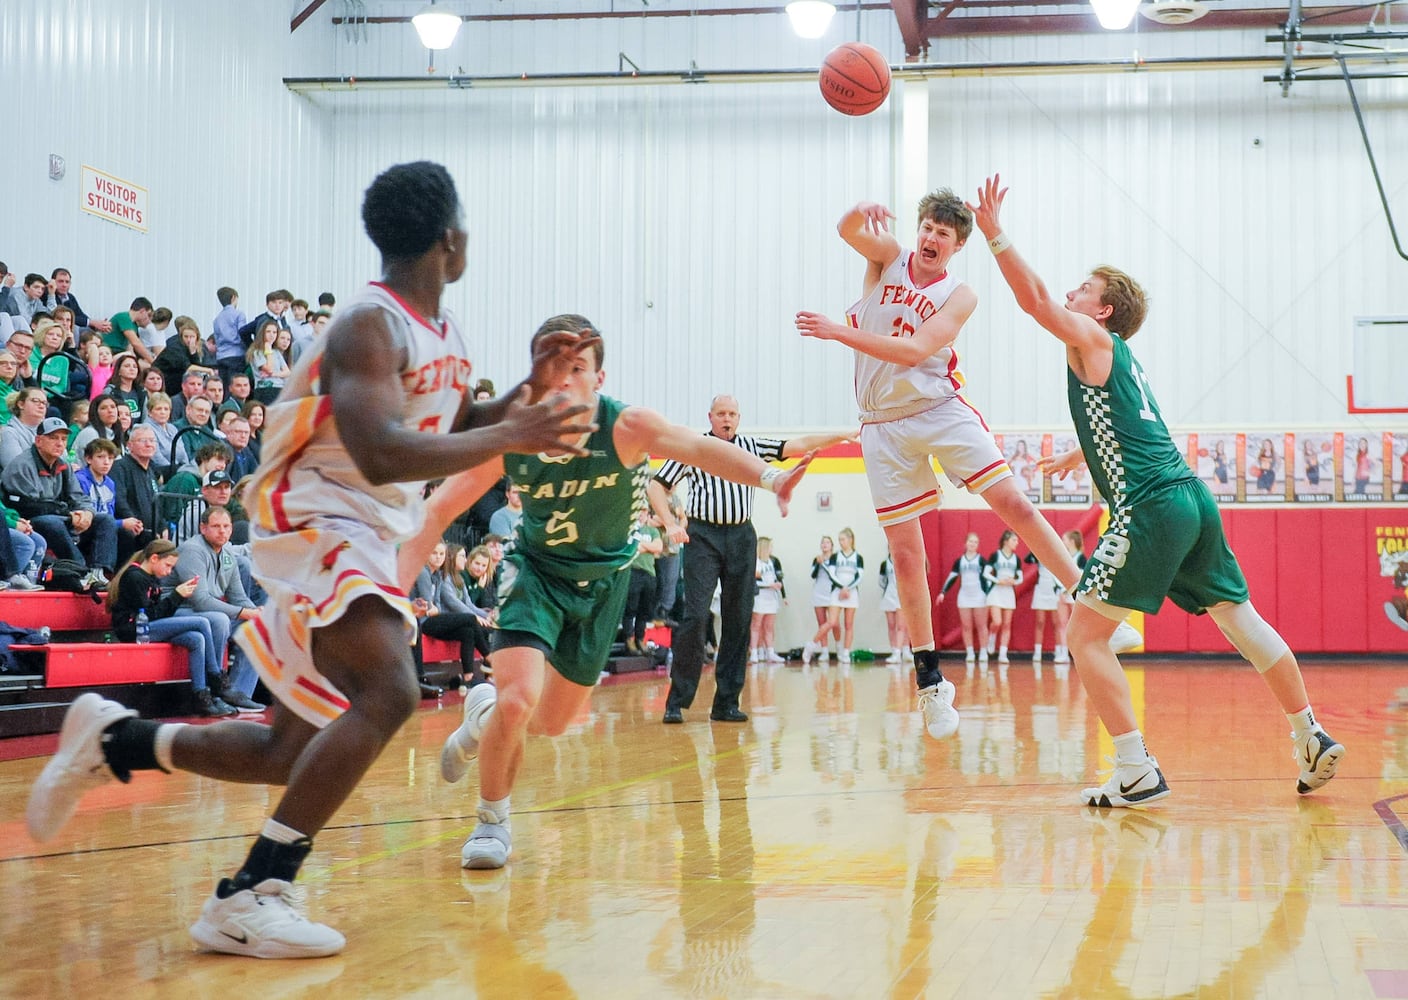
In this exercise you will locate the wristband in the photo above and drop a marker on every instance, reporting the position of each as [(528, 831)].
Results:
[(999, 243), (770, 478)]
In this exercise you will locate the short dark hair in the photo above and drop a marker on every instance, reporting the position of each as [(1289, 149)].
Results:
[(572, 323), (208, 451), (161, 315), (327, 299), (142, 302), (226, 295), (60, 270), (408, 207), (214, 508), (4, 269), (104, 445), (298, 302), (945, 208), (279, 293), (30, 279)]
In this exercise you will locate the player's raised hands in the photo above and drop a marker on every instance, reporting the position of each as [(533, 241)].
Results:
[(818, 326), (550, 426), (1061, 465), (985, 212), (554, 354), (877, 216), (789, 482)]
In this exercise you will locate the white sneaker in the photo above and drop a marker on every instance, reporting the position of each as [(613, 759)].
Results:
[(1002, 655), (77, 766), (1036, 654), (1126, 637), (940, 717), (23, 583), (773, 657), (489, 845), (263, 922), (809, 651), (1129, 786), (906, 655), (1061, 655), (971, 657), (983, 656), (1319, 757), (754, 655), (845, 656), (462, 745)]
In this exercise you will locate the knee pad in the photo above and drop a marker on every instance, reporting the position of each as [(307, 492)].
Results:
[(1259, 643)]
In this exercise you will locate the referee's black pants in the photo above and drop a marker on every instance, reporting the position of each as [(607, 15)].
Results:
[(717, 553)]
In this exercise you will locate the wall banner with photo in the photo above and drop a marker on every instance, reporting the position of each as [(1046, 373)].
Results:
[(1023, 449)]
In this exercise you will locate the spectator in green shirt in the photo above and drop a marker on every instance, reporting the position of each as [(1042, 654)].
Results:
[(126, 333)]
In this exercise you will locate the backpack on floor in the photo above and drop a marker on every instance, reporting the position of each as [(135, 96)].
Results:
[(68, 575)]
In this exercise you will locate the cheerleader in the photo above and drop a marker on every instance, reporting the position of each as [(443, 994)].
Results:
[(1003, 572), (894, 621), (1065, 603), (845, 567), (1046, 595), (767, 572), (823, 584), (967, 572)]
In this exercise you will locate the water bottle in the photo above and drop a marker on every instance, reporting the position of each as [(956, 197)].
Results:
[(143, 633)]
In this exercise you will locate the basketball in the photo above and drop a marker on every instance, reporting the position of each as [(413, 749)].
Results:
[(855, 78)]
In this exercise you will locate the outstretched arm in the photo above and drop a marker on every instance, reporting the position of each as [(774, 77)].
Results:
[(798, 446), (455, 496), (640, 432), (368, 404), (1078, 331), (866, 229), (933, 335)]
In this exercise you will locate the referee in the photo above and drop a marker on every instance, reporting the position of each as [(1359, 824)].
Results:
[(723, 549)]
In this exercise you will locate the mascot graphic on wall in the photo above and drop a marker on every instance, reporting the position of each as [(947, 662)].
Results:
[(1391, 542)]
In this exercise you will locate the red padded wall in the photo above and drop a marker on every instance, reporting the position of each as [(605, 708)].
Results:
[(1314, 573)]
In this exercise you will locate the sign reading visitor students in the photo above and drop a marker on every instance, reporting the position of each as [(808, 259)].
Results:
[(114, 199)]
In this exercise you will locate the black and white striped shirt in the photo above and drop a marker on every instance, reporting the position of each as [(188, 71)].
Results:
[(714, 500)]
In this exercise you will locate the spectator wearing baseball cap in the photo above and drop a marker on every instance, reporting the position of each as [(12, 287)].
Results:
[(41, 486)]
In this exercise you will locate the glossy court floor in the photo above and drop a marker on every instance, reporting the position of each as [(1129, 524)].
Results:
[(826, 848)]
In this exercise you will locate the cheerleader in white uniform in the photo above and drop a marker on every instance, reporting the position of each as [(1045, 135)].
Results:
[(767, 602), (823, 585), (845, 569), (1046, 595), (894, 621), (1004, 572), (1065, 603), (967, 572)]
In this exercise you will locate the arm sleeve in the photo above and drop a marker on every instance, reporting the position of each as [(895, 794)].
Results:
[(989, 571), (860, 571), (953, 576), (1030, 559)]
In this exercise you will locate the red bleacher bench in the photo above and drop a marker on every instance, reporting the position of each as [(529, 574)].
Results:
[(439, 650), (60, 611), (93, 664)]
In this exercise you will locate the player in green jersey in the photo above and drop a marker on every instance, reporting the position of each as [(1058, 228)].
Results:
[(565, 602), (1165, 533)]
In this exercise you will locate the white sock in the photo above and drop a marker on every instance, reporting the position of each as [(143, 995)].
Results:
[(499, 808), (969, 653), (165, 736), (922, 647), (1301, 722), (280, 834), (1130, 749), (1036, 651)]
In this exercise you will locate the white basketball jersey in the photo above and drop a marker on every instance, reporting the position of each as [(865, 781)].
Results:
[(897, 307), (306, 470)]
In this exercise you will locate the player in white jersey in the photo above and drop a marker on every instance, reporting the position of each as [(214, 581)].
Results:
[(378, 407), (907, 384)]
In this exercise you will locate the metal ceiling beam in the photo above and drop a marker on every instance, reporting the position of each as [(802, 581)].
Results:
[(1081, 24), (615, 15), (910, 15), (304, 15)]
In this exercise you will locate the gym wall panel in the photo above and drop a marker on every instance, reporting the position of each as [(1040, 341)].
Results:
[(186, 103)]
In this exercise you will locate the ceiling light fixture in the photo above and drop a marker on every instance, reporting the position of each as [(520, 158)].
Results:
[(1115, 15), (810, 18), (437, 28)]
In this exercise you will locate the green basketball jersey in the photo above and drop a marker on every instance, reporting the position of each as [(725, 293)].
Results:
[(578, 511), (1124, 439)]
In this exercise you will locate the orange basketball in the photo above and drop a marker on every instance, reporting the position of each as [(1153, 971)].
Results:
[(855, 79)]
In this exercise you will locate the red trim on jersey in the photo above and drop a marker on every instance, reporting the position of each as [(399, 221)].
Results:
[(348, 573), (975, 413), (907, 503), (276, 499), (909, 269), (322, 692), (443, 330), (952, 367), (983, 472)]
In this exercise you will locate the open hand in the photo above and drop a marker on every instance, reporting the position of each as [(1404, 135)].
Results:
[(789, 482), (877, 216), (990, 197), (1061, 465), (818, 326), (550, 426), (553, 357)]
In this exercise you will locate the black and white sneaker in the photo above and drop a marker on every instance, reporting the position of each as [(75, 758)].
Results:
[(1318, 756), (1130, 786)]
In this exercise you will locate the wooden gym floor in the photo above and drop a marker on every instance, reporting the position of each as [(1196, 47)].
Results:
[(827, 848)]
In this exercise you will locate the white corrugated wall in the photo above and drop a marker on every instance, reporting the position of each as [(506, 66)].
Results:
[(693, 221)]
